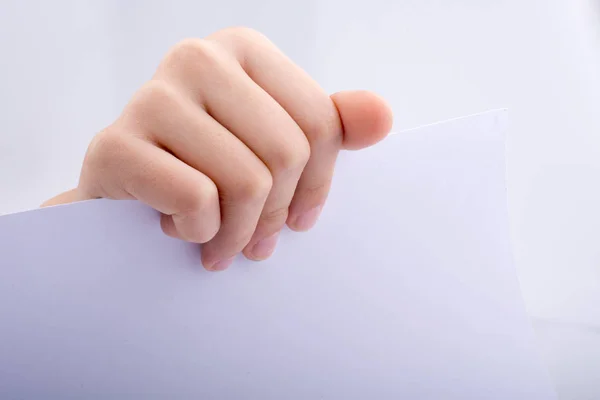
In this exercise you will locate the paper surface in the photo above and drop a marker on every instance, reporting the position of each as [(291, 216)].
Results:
[(405, 290)]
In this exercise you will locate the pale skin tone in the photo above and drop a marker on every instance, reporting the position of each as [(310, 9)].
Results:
[(230, 141)]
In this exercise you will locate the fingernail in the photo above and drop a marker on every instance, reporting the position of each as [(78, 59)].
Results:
[(265, 247), (222, 265), (306, 220)]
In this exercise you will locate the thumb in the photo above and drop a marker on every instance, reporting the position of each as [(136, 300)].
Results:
[(365, 116)]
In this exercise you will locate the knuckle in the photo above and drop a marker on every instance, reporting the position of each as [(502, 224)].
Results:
[(198, 200), (256, 186), (242, 34), (313, 195), (152, 99), (196, 219), (193, 53), (325, 127), (105, 150), (276, 216), (104, 160), (241, 42), (290, 157)]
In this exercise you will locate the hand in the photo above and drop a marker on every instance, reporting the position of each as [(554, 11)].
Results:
[(229, 140)]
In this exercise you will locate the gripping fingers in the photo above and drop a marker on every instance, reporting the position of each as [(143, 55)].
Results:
[(125, 167), (306, 103), (223, 88), (181, 126)]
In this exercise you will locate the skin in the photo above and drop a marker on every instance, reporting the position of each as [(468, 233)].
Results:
[(230, 141)]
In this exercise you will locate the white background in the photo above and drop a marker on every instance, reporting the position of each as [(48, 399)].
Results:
[(69, 66)]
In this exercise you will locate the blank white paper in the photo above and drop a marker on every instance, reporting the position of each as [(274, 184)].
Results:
[(406, 289)]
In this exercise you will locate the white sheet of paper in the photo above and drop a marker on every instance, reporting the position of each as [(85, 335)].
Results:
[(405, 290)]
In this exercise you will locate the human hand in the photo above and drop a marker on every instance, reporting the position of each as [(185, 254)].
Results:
[(229, 140)]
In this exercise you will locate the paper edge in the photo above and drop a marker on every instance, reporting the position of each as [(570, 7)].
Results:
[(499, 111)]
